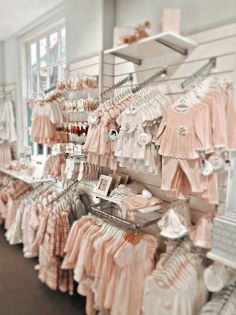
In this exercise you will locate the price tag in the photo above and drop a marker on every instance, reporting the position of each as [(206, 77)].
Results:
[(227, 165), (216, 161), (93, 120), (144, 138), (132, 109), (113, 134), (207, 168)]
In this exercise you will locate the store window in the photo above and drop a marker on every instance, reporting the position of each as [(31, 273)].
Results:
[(46, 65)]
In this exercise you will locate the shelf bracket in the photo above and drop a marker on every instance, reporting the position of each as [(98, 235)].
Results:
[(128, 58), (182, 51)]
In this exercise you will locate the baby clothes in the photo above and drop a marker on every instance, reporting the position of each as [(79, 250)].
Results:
[(44, 118), (169, 289), (136, 122), (190, 168), (104, 265), (99, 146), (186, 136), (230, 117), (5, 152), (182, 134), (7, 122)]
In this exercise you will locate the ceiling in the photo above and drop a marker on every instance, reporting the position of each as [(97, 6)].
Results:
[(15, 14)]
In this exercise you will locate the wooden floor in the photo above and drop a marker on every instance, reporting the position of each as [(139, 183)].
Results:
[(22, 293)]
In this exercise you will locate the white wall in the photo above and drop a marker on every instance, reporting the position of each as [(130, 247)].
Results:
[(84, 27), (1, 63), (89, 25), (11, 53), (197, 15)]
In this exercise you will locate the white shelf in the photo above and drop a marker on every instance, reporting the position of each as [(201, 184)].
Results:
[(147, 210), (27, 179), (107, 198), (153, 46), (221, 260)]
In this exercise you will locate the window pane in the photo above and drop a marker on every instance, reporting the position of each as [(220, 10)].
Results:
[(42, 81), (53, 76), (29, 115), (61, 75), (63, 44), (40, 148), (33, 56), (43, 52), (34, 84), (53, 47)]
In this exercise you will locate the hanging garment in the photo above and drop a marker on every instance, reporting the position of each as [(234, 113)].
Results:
[(104, 264), (44, 119), (169, 290), (195, 126), (7, 122)]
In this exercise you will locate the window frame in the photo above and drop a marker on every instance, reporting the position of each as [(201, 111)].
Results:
[(49, 66), (61, 61)]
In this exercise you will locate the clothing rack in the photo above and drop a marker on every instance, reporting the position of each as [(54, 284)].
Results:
[(118, 84), (6, 95), (50, 89), (157, 75), (62, 193), (202, 72), (126, 223)]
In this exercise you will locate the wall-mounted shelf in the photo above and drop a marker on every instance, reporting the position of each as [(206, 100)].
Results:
[(221, 260), (24, 178), (110, 211), (153, 46)]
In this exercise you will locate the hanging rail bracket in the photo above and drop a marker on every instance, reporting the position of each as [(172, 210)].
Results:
[(203, 71), (182, 51), (128, 58)]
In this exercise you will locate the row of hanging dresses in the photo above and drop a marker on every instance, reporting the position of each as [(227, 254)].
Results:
[(176, 286), (54, 224), (135, 147), (4, 183), (99, 145), (7, 122), (29, 213), (45, 117), (222, 303), (110, 265), (41, 222), (5, 152), (186, 135), (10, 197), (55, 166)]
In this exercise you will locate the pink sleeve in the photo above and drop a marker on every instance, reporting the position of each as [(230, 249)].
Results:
[(230, 119), (218, 122), (90, 135), (71, 238), (162, 126), (202, 128)]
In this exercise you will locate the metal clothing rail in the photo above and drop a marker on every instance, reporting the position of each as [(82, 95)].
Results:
[(157, 75), (50, 89), (27, 179), (62, 193), (118, 84), (203, 71), (125, 223)]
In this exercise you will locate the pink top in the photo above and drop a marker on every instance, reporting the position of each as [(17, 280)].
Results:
[(183, 133), (230, 118)]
